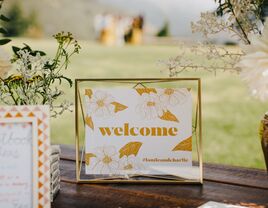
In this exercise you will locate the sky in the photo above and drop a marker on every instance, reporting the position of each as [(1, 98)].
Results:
[(179, 13)]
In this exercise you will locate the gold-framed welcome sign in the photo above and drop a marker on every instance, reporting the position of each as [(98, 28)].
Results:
[(138, 130)]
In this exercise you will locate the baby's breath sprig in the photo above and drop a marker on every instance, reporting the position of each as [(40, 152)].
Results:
[(38, 77), (238, 17), (202, 57)]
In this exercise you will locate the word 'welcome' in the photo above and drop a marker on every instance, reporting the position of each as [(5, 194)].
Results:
[(135, 131)]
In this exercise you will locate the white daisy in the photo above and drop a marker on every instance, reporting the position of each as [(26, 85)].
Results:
[(106, 160), (150, 106), (172, 97), (100, 104)]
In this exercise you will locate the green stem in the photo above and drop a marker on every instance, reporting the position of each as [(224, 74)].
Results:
[(238, 22), (12, 95), (10, 91)]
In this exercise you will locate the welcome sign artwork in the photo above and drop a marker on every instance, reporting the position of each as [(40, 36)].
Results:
[(137, 131)]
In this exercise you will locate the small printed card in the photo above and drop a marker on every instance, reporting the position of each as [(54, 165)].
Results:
[(24, 157), (138, 131), (15, 154), (212, 204)]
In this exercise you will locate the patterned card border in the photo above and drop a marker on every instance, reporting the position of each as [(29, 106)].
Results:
[(41, 197)]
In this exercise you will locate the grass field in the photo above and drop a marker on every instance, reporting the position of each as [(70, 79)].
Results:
[(230, 117)]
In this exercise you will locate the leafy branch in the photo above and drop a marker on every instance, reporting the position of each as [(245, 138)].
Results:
[(217, 59), (38, 76)]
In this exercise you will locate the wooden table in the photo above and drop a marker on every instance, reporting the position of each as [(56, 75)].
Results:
[(228, 184)]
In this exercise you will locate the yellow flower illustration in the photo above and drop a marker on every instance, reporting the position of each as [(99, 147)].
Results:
[(150, 106), (106, 160), (100, 104), (172, 97)]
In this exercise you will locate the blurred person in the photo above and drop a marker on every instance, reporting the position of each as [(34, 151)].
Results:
[(98, 24), (137, 30), (122, 26), (107, 36)]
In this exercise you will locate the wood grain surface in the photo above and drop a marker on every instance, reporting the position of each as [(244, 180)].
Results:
[(228, 184)]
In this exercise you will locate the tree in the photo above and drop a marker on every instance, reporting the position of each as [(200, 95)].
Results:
[(18, 23), (164, 31)]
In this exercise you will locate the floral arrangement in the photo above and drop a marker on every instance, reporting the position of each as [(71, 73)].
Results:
[(217, 58), (37, 76), (254, 64), (242, 19), (238, 17)]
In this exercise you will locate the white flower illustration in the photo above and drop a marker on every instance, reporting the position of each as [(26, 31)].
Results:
[(254, 64), (106, 160), (130, 165), (150, 106), (100, 104), (173, 97)]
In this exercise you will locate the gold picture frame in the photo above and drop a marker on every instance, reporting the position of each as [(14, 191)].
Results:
[(193, 83)]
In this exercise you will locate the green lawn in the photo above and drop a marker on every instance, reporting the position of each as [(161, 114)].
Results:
[(230, 117)]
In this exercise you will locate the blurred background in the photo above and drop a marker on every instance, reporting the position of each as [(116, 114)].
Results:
[(127, 38)]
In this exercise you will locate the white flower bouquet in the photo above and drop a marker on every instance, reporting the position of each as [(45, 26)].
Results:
[(244, 20), (37, 77)]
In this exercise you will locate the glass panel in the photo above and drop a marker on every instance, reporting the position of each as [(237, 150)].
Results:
[(139, 131)]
